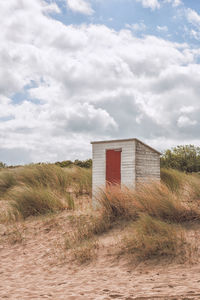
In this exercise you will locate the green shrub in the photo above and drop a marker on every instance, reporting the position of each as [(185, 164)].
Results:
[(185, 158)]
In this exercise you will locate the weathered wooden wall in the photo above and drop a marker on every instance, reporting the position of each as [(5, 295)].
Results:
[(147, 163)]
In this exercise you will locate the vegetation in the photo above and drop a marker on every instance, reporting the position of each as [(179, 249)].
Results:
[(2, 165), (149, 237), (183, 158), (154, 199), (41, 189), (153, 215), (157, 213), (79, 163), (85, 252)]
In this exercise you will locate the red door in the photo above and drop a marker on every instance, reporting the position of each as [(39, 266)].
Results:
[(113, 166)]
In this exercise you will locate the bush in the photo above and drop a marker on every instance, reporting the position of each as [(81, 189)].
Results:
[(83, 163), (79, 163), (150, 238), (64, 164), (183, 158), (2, 165)]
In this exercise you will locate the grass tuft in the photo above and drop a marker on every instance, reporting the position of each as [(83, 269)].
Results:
[(7, 181), (151, 238), (173, 179), (36, 201), (85, 252), (154, 199)]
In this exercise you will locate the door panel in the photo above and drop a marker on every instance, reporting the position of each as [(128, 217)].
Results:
[(113, 166)]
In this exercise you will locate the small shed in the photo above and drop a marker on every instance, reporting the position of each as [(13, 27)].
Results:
[(127, 162)]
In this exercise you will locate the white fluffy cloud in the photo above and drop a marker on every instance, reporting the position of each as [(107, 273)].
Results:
[(174, 3), (80, 6), (193, 17), (156, 4), (153, 4), (63, 86)]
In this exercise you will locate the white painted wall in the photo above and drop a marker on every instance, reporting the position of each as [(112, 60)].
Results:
[(99, 163)]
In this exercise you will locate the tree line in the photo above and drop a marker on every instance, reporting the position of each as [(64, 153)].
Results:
[(63, 164), (185, 158)]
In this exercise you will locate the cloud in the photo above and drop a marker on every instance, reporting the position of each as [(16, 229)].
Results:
[(63, 86), (153, 4), (193, 17), (137, 26), (184, 121), (175, 3), (156, 4), (162, 28), (187, 109), (80, 6)]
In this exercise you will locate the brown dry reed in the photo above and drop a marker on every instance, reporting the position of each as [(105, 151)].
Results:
[(154, 199)]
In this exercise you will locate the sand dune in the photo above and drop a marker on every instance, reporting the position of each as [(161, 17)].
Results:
[(34, 265)]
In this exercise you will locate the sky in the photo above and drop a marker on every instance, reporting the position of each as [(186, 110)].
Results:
[(75, 71)]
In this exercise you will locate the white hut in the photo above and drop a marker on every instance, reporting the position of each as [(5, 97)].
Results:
[(124, 162)]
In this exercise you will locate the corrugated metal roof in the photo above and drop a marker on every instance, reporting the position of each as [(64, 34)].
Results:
[(125, 140)]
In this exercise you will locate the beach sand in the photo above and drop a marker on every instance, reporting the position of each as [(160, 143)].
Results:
[(34, 265)]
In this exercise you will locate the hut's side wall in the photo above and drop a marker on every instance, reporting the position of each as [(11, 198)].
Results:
[(147, 164), (99, 164)]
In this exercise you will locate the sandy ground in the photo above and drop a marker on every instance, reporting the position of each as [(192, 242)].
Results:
[(32, 266)]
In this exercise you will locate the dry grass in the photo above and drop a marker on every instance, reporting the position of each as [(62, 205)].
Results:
[(7, 181), (36, 201), (117, 202), (173, 179), (151, 238), (40, 189), (85, 252), (158, 201), (154, 199), (80, 180), (86, 227), (152, 208)]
